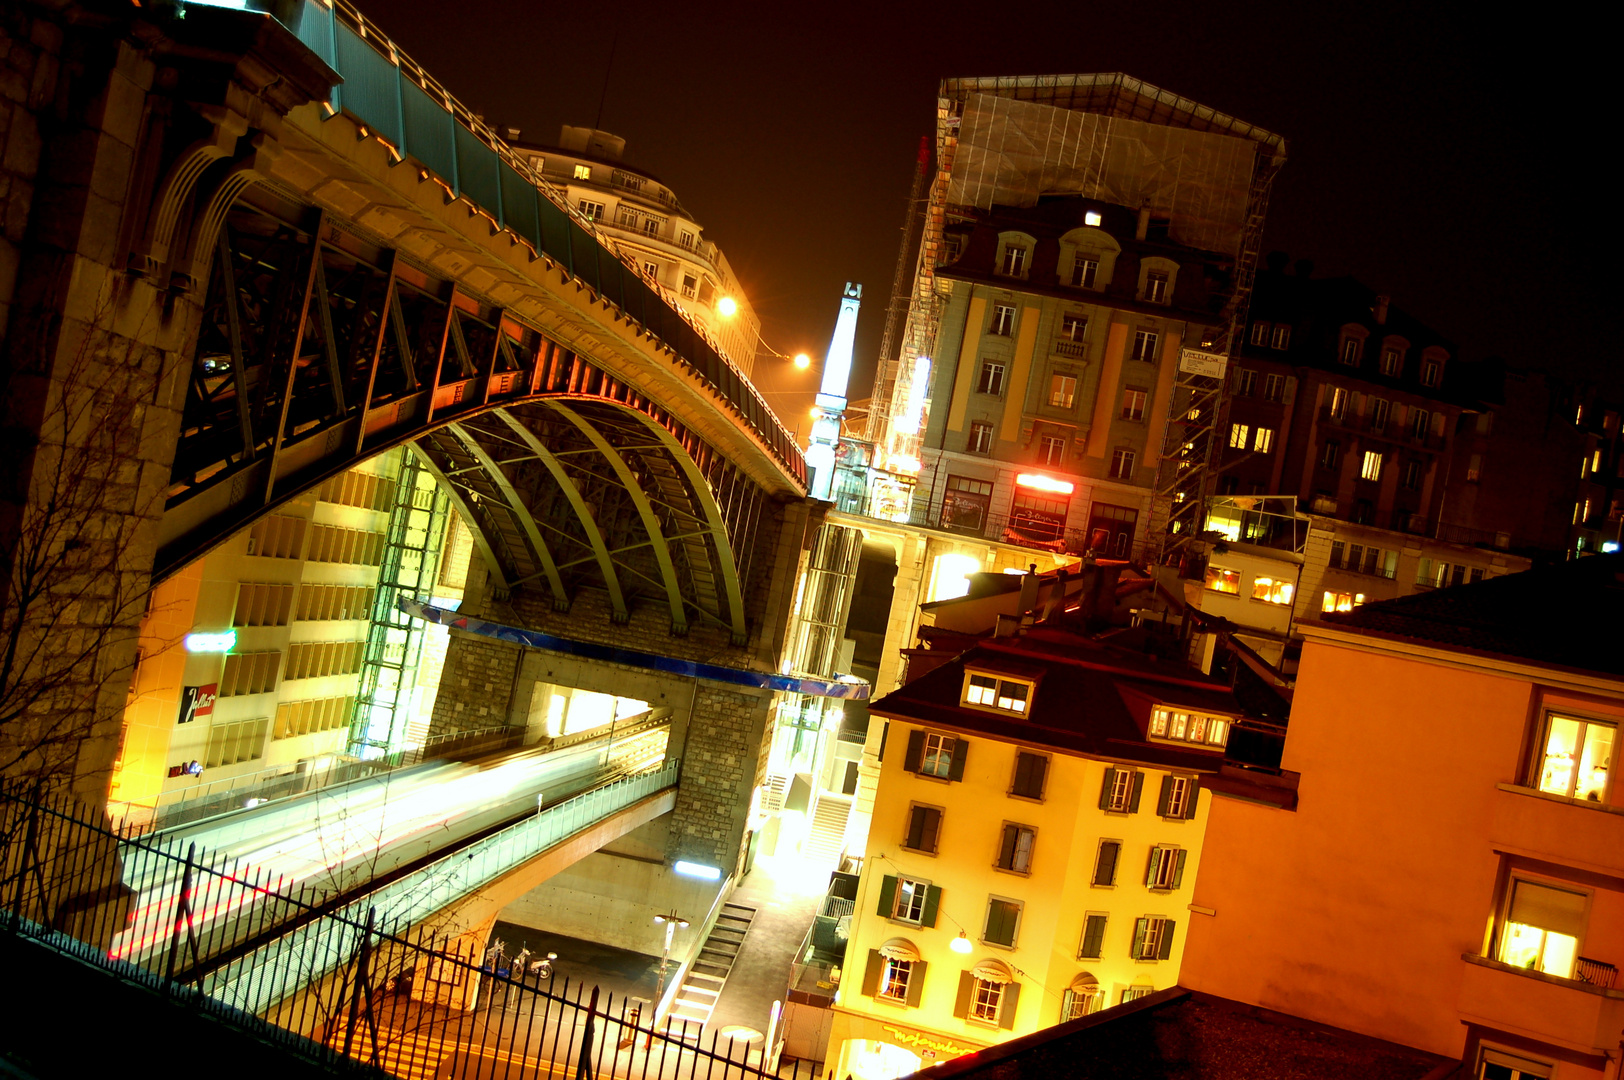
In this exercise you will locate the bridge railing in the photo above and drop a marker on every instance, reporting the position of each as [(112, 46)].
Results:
[(357, 985), (418, 119)]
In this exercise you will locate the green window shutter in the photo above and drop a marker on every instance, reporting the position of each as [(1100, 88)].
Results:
[(1105, 788), (916, 826), (961, 750), (1167, 793), (1066, 998), (1141, 927), (967, 986), (1168, 926), (888, 897), (1105, 867), (1150, 865), (1023, 773), (916, 982), (916, 751), (871, 973), (1178, 868), (1133, 798), (1006, 1007), (1040, 773), (1006, 849), (1093, 937), (931, 831), (1195, 797), (933, 901)]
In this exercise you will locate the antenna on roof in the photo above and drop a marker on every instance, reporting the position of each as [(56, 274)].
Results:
[(597, 125)]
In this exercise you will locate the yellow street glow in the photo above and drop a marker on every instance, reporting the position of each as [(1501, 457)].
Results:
[(1039, 482), (802, 360), (727, 307)]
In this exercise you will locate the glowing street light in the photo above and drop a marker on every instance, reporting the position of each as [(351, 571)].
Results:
[(960, 944), (803, 361), (727, 307)]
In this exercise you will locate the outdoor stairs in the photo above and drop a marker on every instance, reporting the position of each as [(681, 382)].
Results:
[(702, 986), (827, 839)]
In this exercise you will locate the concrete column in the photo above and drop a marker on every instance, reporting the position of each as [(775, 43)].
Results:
[(448, 983), (721, 763)]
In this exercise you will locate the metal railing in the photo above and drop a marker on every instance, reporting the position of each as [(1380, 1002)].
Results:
[(366, 987), (1595, 973)]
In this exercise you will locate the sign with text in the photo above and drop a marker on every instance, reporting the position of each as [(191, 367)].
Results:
[(1196, 362), (196, 701)]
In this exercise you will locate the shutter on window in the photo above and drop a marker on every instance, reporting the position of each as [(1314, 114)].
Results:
[(1167, 793), (1140, 928), (1093, 936), (1178, 868), (1195, 796), (1066, 998), (888, 897), (916, 751), (967, 986), (1006, 849), (916, 981), (1040, 773), (933, 900), (961, 750), (1006, 1006), (871, 973), (1105, 869), (916, 828), (1105, 788), (1023, 773), (933, 826), (1166, 950), (1138, 787), (1150, 867)]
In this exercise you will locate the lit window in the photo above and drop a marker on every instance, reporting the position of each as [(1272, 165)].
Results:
[(1166, 867), (1133, 405), (1595, 461), (1015, 848), (1577, 758), (1144, 345), (583, 172), (1263, 441), (1260, 333), (908, 901), (983, 690), (1152, 940), (1542, 928), (1238, 436), (895, 976), (1341, 601), (1091, 218), (1062, 391), (1282, 336), (1371, 468), (985, 1000), (1224, 581), (992, 378), (980, 437), (1003, 320), (1012, 696), (1272, 590), (1084, 272), (1339, 402), (1014, 264), (592, 211), (1122, 464), (1156, 287)]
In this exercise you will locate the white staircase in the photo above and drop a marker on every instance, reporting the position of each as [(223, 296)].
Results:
[(827, 838), (702, 986)]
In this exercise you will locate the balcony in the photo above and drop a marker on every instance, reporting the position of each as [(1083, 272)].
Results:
[(1567, 1012), (1075, 350), (1532, 823)]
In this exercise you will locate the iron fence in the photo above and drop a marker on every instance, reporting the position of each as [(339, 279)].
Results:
[(386, 991)]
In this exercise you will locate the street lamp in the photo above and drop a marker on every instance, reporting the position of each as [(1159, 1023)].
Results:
[(727, 307), (671, 921), (802, 361)]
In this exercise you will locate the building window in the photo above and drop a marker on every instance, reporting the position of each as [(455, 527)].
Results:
[(1282, 336), (1224, 581), (235, 742), (652, 270), (964, 504), (1260, 333), (1093, 943), (583, 172), (924, 829), (1003, 320), (1495, 1065), (1263, 440), (1576, 759), (1122, 464), (991, 692), (1272, 590), (1156, 287), (1337, 550), (1105, 862), (1238, 435), (652, 226), (625, 215), (1152, 938), (1014, 264), (1371, 468), (688, 240), (1245, 382), (895, 977), (1015, 849), (1429, 373), (1352, 347), (1328, 456), (1003, 922), (1073, 328), (1339, 403), (1134, 993), (937, 756), (1392, 360), (1144, 345), (1189, 727), (1082, 998), (1542, 928), (690, 286), (980, 437), (1274, 388), (985, 997), (1165, 870), (1133, 405), (1341, 601), (1084, 271), (592, 211), (1039, 518), (1180, 796), (1052, 449), (1119, 790), (1420, 423), (1379, 411), (1062, 391), (1031, 770), (1412, 475), (992, 378), (909, 900)]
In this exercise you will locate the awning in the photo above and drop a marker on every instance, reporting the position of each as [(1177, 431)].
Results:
[(994, 971), (899, 949)]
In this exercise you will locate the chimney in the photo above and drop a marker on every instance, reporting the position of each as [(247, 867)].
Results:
[(1029, 588), (1143, 229), (1380, 310)]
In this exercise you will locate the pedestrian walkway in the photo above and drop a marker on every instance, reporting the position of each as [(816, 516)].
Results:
[(620, 972)]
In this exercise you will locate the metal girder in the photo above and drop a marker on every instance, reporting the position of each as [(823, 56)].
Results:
[(720, 541), (561, 599), (468, 517), (594, 535), (651, 523)]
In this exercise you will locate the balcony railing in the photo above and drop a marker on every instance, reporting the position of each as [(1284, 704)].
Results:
[(1074, 349), (1595, 973)]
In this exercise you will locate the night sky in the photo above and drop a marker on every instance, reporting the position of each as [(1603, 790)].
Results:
[(1451, 160)]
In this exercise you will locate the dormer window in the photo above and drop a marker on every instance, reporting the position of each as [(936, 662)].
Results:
[(1092, 219), (1014, 264), (1175, 725), (1156, 281), (1015, 254), (998, 692)]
